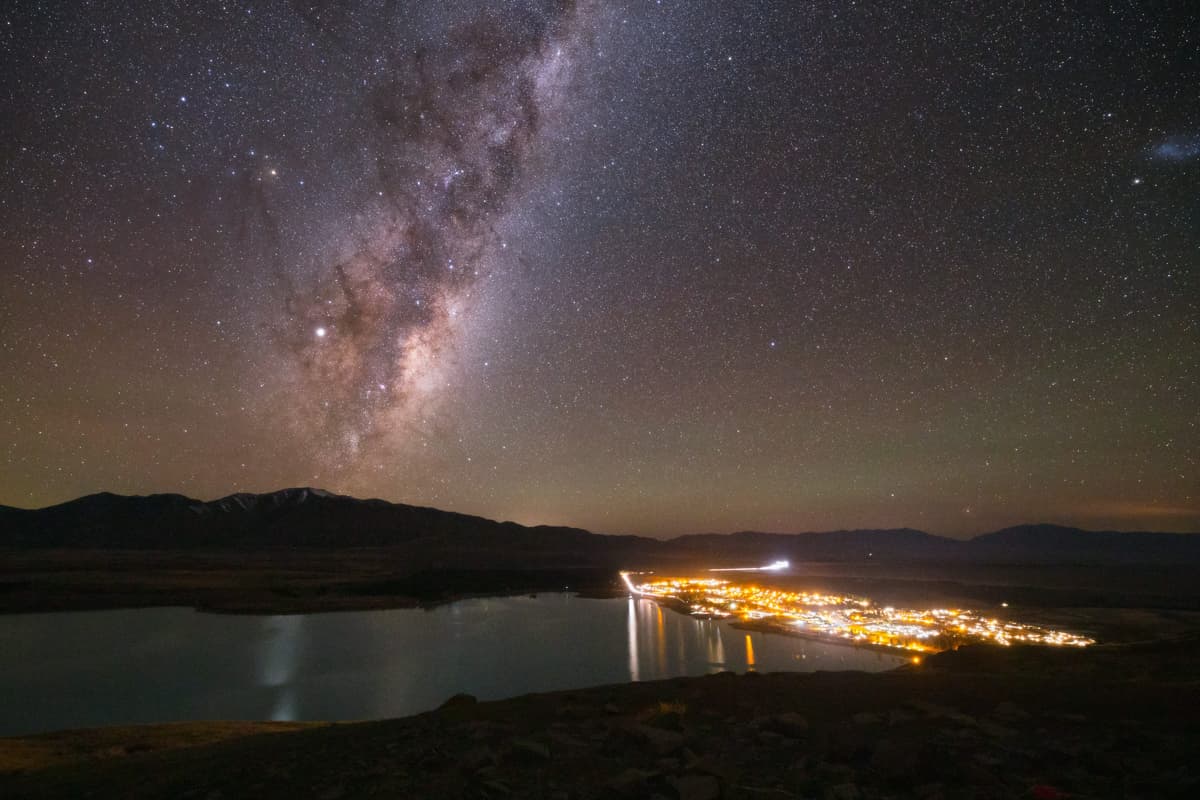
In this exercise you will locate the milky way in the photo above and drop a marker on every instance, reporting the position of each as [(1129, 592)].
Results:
[(454, 129), (646, 267)]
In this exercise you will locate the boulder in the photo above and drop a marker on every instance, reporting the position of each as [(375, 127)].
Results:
[(896, 760), (1010, 712), (460, 700), (696, 787), (530, 750), (662, 742), (630, 782), (477, 758), (788, 724)]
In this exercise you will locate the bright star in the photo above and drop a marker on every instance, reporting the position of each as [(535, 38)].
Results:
[(321, 333)]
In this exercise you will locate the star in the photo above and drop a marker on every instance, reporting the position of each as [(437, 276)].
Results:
[(969, 272)]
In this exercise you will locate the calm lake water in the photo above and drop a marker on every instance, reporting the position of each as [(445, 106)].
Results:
[(82, 669)]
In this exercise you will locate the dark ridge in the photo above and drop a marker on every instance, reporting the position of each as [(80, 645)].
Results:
[(305, 517), (1046, 543), (887, 544)]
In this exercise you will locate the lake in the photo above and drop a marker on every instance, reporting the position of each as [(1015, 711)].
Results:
[(82, 669)]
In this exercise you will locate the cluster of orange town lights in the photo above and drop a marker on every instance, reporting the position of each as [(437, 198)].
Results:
[(853, 619)]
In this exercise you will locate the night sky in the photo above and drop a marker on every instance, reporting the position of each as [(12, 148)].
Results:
[(644, 267)]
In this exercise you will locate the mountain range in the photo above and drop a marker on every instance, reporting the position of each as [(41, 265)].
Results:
[(313, 519)]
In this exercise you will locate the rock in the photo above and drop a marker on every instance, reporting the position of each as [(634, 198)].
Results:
[(499, 788), (630, 781), (1010, 712), (567, 740), (833, 774), (942, 712), (930, 791), (697, 787), (668, 765), (662, 742), (959, 718), (530, 750), (843, 791), (977, 774), (573, 711), (928, 709), (477, 758), (966, 736), (670, 720), (995, 730), (846, 742), (867, 719), (896, 759), (709, 766), (479, 730), (332, 793), (611, 708), (459, 701), (788, 724)]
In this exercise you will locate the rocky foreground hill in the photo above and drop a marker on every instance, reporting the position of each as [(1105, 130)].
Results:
[(976, 723)]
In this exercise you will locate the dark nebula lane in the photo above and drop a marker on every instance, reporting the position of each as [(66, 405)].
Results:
[(452, 131)]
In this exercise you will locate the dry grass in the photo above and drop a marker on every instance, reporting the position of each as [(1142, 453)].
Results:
[(24, 754)]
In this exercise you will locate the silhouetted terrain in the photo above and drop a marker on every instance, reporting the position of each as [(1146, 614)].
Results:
[(981, 722), (312, 518), (302, 550)]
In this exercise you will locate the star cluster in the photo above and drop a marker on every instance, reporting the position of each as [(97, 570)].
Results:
[(651, 267)]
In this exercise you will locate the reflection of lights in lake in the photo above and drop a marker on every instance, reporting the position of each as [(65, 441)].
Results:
[(853, 620), (280, 644), (631, 628), (660, 637), (716, 650), (655, 642), (285, 709), (278, 661)]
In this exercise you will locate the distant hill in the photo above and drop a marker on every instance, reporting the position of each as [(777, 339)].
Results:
[(301, 517), (899, 544), (1056, 544), (313, 518)]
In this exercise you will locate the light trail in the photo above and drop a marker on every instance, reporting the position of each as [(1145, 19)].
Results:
[(774, 566), (632, 589)]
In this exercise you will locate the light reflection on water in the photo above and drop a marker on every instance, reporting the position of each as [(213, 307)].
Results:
[(282, 638), (150, 665)]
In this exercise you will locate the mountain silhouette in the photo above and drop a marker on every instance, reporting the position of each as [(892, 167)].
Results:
[(313, 518)]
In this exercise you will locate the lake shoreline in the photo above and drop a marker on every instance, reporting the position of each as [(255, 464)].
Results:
[(376, 663), (981, 722)]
